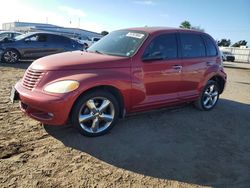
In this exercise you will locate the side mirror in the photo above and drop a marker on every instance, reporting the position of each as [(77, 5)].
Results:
[(153, 57)]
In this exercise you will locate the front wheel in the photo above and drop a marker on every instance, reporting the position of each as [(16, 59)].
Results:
[(10, 56), (95, 113), (209, 97)]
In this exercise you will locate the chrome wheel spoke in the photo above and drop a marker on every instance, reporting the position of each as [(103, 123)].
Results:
[(211, 89), (206, 93), (206, 101), (95, 125), (91, 105), (214, 94), (85, 117), (106, 117), (104, 105)]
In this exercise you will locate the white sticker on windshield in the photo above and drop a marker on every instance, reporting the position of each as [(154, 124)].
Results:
[(135, 35)]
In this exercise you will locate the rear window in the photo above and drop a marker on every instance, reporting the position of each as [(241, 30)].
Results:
[(192, 45), (211, 49)]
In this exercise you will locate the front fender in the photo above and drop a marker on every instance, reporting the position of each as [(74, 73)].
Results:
[(88, 79)]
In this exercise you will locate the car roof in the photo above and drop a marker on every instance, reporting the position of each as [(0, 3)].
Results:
[(38, 32), (9, 32), (152, 30), (47, 33)]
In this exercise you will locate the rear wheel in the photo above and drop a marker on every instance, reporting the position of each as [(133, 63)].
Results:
[(10, 56), (209, 97), (95, 113)]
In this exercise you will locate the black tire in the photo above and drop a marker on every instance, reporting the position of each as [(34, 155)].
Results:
[(81, 107), (10, 56), (199, 103)]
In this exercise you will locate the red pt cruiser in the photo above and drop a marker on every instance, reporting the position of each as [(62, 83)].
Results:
[(127, 71)]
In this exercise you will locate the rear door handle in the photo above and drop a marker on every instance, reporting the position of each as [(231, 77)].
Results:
[(177, 67), (209, 64)]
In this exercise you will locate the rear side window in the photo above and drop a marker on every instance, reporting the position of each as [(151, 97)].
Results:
[(60, 39), (211, 49), (164, 45), (42, 38), (192, 45)]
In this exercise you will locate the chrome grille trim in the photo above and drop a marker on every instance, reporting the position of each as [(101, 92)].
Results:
[(31, 78)]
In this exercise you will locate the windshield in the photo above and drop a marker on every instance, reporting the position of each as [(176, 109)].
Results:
[(119, 43), (20, 37)]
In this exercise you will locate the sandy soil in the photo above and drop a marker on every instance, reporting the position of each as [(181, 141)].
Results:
[(181, 147)]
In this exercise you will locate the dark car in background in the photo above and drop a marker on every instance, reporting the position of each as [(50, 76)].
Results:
[(227, 56), (8, 35), (35, 45)]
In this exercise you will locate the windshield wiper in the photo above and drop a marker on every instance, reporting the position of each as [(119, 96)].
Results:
[(98, 52), (95, 51)]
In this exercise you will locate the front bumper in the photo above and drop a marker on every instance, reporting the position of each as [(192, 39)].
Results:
[(48, 109)]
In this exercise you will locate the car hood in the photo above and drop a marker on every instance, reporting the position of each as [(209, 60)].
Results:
[(76, 60)]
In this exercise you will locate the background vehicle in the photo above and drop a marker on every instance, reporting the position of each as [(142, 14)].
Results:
[(36, 45), (126, 71), (8, 35), (88, 42), (227, 56)]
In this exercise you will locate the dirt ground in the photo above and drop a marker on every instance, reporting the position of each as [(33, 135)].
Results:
[(180, 147)]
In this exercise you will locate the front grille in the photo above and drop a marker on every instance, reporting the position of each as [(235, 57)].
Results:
[(31, 78)]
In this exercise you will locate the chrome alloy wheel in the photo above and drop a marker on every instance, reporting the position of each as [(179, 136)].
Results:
[(96, 115), (10, 56), (210, 96)]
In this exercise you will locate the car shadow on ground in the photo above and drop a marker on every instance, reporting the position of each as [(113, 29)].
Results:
[(19, 65), (205, 148)]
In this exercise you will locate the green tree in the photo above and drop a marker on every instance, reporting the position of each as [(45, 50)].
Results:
[(224, 42), (240, 43), (103, 33), (185, 24)]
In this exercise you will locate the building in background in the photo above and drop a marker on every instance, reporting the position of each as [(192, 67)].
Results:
[(32, 27)]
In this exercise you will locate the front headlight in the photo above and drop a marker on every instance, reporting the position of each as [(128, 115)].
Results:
[(64, 86)]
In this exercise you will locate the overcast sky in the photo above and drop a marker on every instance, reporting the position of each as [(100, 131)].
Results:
[(220, 18)]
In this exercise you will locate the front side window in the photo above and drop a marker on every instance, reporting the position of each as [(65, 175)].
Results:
[(192, 45), (162, 47), (119, 43), (33, 38), (36, 38)]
